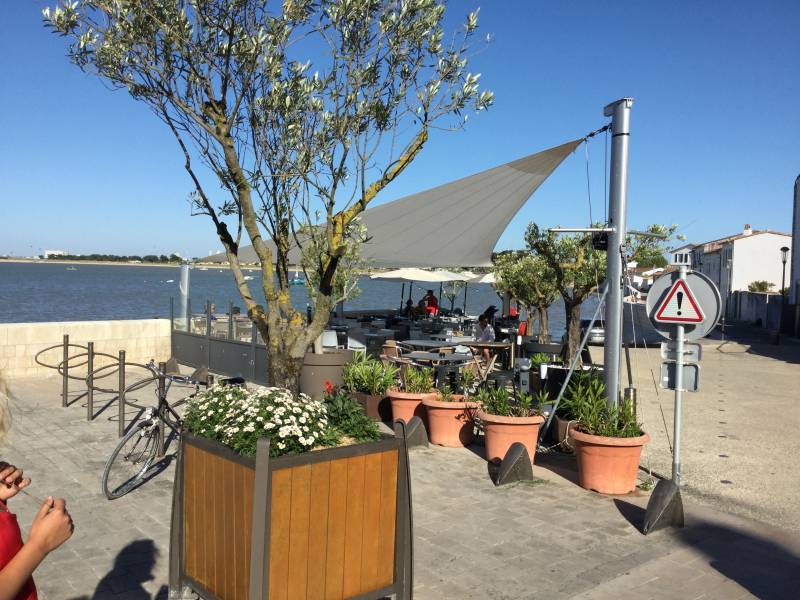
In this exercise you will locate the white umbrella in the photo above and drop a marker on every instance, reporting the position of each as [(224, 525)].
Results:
[(412, 274)]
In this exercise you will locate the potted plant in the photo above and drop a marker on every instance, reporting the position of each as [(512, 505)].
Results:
[(584, 387), (264, 485), (506, 421), (417, 384), (608, 443), (539, 362), (368, 379), (450, 419)]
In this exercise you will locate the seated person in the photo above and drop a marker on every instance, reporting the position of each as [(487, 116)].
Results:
[(431, 303), (484, 332), (409, 309)]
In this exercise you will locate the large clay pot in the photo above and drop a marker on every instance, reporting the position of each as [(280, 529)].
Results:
[(406, 405), (564, 429), (319, 368), (450, 423), (375, 407), (605, 464), (500, 432)]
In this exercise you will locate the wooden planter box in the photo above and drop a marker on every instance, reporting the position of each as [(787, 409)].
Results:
[(332, 523)]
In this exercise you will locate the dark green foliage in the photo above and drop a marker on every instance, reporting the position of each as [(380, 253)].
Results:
[(584, 386), (347, 418), (596, 417), (418, 380), (368, 375), (503, 404)]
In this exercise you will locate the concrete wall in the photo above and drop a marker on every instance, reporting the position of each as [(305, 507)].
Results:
[(19, 342), (758, 258)]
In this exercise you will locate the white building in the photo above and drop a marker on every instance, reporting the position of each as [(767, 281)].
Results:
[(736, 261), (55, 253)]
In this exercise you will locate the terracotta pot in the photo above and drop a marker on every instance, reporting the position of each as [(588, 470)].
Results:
[(450, 423), (319, 368), (605, 464), (500, 432), (375, 407), (561, 431), (406, 405)]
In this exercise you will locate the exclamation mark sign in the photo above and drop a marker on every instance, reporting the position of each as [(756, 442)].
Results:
[(680, 301)]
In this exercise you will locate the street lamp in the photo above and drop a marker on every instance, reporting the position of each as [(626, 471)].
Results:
[(784, 257)]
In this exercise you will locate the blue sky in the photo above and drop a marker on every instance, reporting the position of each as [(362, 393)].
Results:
[(715, 126)]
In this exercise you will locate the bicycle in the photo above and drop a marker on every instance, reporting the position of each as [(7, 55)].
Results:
[(130, 463)]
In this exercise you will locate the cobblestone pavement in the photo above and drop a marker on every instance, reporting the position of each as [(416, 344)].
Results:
[(548, 539)]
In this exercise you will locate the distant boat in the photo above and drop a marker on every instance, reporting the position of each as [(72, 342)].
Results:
[(296, 279), (72, 269), (170, 281), (203, 269), (248, 277)]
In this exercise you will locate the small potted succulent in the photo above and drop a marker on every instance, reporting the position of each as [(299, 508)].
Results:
[(539, 362), (368, 379), (507, 420), (608, 444), (451, 418), (416, 384)]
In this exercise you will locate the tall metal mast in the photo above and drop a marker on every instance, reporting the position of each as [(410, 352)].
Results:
[(620, 113)]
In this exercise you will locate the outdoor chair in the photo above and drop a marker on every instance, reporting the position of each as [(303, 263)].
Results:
[(329, 339), (390, 349)]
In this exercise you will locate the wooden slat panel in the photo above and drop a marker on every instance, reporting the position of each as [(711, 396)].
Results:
[(318, 530), (207, 522), (372, 517), (337, 520), (243, 565), (354, 526), (228, 539), (280, 525), (297, 580), (189, 513), (386, 544)]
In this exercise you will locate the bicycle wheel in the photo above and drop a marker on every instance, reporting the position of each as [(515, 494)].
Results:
[(131, 459)]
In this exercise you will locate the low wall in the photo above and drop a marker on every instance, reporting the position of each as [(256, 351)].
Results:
[(20, 342)]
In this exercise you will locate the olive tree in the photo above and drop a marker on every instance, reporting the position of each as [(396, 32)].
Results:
[(302, 112), (530, 279), (578, 267)]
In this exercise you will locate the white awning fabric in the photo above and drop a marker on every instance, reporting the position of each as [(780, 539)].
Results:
[(457, 224), (418, 275), (454, 225)]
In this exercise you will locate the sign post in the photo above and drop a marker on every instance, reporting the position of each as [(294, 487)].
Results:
[(682, 306)]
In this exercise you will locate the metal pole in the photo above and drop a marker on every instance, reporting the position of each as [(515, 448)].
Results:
[(184, 289), (90, 382), (230, 320), (162, 394), (65, 377), (783, 301), (121, 394), (402, 295), (620, 113), (676, 434)]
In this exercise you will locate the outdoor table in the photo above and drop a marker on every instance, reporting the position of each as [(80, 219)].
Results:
[(498, 346), (427, 343), (452, 357)]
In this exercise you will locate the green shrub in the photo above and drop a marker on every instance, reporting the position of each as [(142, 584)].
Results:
[(346, 417), (418, 380), (367, 375), (499, 402), (584, 387), (596, 417)]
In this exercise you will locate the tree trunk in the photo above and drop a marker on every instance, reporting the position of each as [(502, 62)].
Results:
[(573, 311), (284, 371), (544, 331)]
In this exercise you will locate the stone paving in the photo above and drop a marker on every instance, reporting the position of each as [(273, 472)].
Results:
[(548, 539)]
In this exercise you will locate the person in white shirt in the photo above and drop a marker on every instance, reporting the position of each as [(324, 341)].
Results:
[(484, 332)]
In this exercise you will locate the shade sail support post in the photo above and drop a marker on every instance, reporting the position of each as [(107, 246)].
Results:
[(620, 113)]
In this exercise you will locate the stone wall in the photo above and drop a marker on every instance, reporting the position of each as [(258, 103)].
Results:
[(20, 342)]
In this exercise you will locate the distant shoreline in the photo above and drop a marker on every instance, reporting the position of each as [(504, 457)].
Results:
[(54, 261)]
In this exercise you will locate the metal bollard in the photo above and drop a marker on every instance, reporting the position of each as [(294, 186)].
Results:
[(90, 381), (65, 377), (121, 394)]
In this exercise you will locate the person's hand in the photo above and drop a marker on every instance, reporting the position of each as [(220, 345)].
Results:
[(11, 481), (52, 526)]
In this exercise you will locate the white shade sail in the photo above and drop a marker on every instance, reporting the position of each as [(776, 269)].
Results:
[(418, 275), (457, 224), (454, 225), (485, 278)]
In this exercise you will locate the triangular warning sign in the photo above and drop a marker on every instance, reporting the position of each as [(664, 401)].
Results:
[(679, 306)]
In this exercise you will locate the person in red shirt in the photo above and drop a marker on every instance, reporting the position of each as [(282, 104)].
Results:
[(431, 303)]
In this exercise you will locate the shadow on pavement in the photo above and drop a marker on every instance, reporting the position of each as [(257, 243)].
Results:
[(766, 568), (133, 567), (759, 341)]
